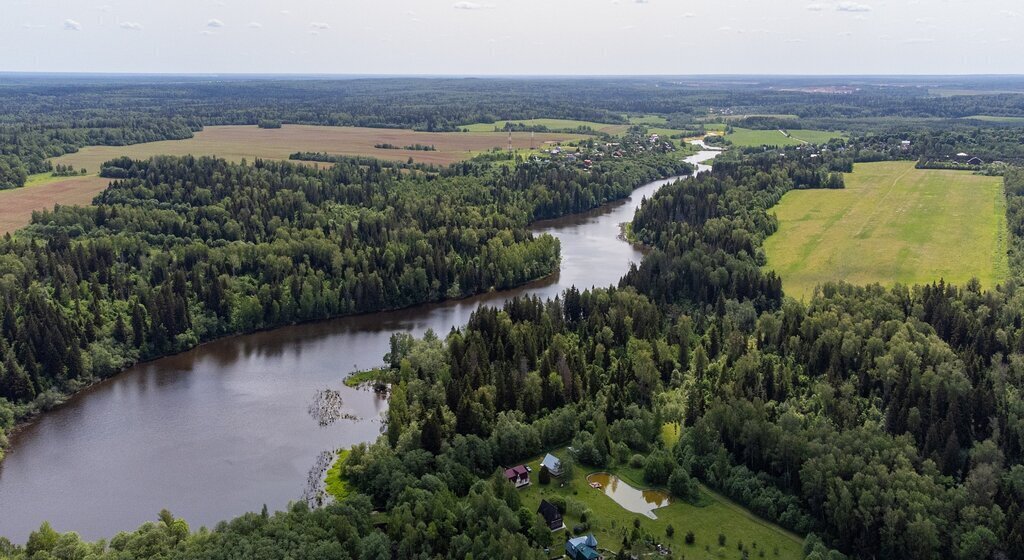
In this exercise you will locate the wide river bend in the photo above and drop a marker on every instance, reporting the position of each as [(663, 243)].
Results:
[(224, 428)]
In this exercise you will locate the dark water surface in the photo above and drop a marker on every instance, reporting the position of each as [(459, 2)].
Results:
[(225, 428)]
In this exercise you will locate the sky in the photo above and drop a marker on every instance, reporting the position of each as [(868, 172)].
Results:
[(514, 37)]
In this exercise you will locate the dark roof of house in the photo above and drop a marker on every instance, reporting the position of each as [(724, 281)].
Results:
[(516, 471), (549, 511)]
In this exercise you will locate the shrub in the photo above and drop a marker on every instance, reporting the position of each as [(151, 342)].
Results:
[(690, 537), (658, 467), (545, 476), (669, 531), (559, 502), (637, 461), (721, 539), (683, 486)]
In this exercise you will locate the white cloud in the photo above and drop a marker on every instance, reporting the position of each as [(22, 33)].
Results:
[(467, 6), (286, 12), (255, 25), (319, 25), (689, 15), (72, 25), (852, 7), (130, 25), (815, 7), (103, 8), (215, 23), (32, 26)]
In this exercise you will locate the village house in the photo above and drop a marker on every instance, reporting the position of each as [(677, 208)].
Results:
[(518, 476), (552, 517), (552, 464), (582, 548)]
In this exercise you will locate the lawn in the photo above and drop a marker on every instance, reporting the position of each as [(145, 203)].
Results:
[(892, 223), (551, 124), (715, 515), (249, 142), (747, 137)]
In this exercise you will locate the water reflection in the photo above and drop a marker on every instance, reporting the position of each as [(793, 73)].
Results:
[(631, 499)]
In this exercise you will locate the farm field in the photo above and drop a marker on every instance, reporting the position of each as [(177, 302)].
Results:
[(715, 515), (17, 205), (550, 123), (892, 223), (996, 119), (747, 137), (249, 142), (650, 120)]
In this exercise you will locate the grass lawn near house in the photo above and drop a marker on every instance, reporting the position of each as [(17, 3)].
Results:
[(716, 514)]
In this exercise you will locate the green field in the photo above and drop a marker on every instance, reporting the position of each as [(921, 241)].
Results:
[(996, 119), (650, 120), (552, 124), (892, 223), (747, 137), (716, 515)]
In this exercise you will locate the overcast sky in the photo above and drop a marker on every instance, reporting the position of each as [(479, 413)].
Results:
[(514, 36)]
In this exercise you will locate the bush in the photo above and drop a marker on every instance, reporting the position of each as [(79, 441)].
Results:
[(637, 461), (721, 539), (683, 486), (690, 537), (545, 476), (658, 468), (559, 503), (669, 531)]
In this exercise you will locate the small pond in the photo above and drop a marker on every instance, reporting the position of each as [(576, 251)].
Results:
[(631, 499)]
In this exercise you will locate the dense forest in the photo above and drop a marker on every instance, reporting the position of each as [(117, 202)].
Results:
[(182, 250)]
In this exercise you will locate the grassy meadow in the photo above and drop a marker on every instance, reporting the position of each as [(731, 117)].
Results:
[(892, 224), (996, 119), (715, 514), (551, 124), (746, 137)]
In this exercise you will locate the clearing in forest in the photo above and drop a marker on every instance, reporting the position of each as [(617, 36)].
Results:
[(892, 224), (714, 515), (250, 142), (746, 137), (17, 205)]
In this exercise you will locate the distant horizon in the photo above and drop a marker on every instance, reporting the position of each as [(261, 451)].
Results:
[(514, 76), (515, 38)]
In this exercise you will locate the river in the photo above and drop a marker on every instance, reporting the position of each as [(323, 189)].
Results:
[(225, 428)]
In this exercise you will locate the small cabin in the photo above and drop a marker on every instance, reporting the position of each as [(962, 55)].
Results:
[(552, 517), (518, 476)]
